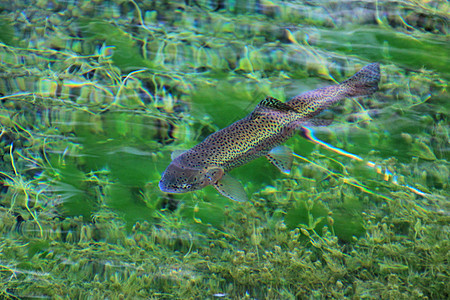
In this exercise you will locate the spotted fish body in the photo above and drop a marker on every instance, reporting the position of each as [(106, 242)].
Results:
[(259, 134)]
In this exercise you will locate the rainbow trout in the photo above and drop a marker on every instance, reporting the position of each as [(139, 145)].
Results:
[(260, 133)]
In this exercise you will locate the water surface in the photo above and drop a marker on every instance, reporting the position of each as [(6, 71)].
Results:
[(96, 95)]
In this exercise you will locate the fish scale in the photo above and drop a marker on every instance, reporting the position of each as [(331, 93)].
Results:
[(241, 142), (259, 134)]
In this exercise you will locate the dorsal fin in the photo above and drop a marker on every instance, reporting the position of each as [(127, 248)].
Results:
[(273, 103), (270, 103)]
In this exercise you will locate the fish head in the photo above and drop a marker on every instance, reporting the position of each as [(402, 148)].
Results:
[(180, 179)]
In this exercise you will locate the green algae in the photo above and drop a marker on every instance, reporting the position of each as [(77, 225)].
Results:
[(92, 107), (379, 44), (345, 221), (7, 32), (125, 51)]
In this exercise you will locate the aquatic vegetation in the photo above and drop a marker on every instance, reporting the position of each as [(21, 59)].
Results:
[(125, 52), (21, 191), (94, 96)]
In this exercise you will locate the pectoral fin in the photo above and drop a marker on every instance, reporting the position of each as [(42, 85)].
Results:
[(281, 157), (231, 188)]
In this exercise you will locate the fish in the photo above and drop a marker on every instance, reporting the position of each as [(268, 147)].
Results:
[(261, 133)]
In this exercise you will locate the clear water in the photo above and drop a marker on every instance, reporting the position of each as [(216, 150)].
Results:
[(95, 95)]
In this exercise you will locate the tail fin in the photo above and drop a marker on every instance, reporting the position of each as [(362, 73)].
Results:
[(364, 82)]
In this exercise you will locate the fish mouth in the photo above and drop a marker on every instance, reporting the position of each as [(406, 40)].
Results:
[(169, 189)]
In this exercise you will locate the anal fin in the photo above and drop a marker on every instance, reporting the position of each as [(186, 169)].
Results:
[(281, 157)]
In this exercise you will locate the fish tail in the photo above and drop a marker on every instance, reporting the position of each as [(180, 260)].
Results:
[(311, 103), (363, 83)]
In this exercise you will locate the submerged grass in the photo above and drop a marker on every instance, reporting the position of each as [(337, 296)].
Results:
[(95, 97)]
